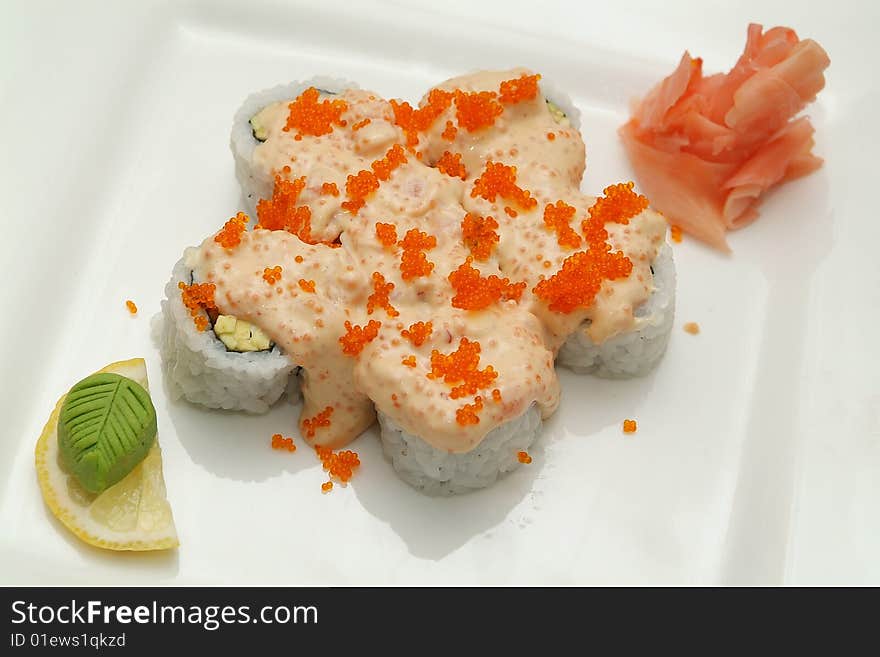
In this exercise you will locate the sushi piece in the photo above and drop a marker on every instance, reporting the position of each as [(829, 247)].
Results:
[(228, 364), (439, 472), (251, 127), (637, 351)]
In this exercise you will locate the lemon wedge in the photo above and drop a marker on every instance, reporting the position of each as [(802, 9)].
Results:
[(133, 514)]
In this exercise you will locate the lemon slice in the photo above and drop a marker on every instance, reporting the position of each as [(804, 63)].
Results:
[(133, 514)]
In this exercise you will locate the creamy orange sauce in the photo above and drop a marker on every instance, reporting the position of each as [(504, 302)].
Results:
[(517, 339)]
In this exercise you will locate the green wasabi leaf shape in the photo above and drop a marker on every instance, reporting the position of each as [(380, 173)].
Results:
[(106, 427)]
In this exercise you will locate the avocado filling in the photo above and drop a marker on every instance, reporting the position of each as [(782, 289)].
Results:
[(558, 115), (239, 335)]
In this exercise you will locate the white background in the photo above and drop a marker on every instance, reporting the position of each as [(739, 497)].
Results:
[(757, 455)]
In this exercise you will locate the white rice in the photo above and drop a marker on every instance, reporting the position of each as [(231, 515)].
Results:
[(254, 185), (437, 472), (198, 366), (635, 353)]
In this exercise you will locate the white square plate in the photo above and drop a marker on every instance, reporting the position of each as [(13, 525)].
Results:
[(758, 448)]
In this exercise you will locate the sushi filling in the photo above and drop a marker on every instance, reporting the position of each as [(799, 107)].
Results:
[(558, 115)]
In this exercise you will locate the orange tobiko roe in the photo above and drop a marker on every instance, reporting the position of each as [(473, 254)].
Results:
[(281, 212), (475, 292), (417, 333), (500, 180), (272, 275), (280, 442), (468, 414), (321, 420), (629, 426), (413, 261), (409, 361), (413, 121), (357, 337), (340, 464), (360, 186), (311, 116), (360, 124), (477, 109), (449, 131), (330, 189), (558, 218), (578, 282), (523, 457), (379, 297), (132, 306), (525, 87), (306, 286), (461, 367), (386, 234), (478, 234), (198, 297), (451, 165), (230, 235)]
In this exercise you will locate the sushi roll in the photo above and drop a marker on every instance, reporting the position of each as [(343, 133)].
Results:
[(636, 352), (438, 472), (228, 364), (249, 131)]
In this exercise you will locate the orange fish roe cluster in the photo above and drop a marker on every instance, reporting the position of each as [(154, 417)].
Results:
[(417, 333), (281, 212), (523, 457), (327, 486), (461, 367), (379, 297), (306, 286), (280, 442), (198, 297), (330, 189), (500, 180), (340, 465), (629, 426), (692, 327), (675, 233), (510, 212), (409, 361), (413, 121), (477, 109), (230, 235), (525, 87), (386, 234), (132, 307), (451, 165), (311, 116), (413, 261), (272, 275), (449, 131), (321, 421), (360, 124), (356, 337), (474, 292), (360, 186), (551, 136), (558, 218), (581, 276), (468, 414), (618, 205), (479, 234), (496, 396), (298, 258)]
